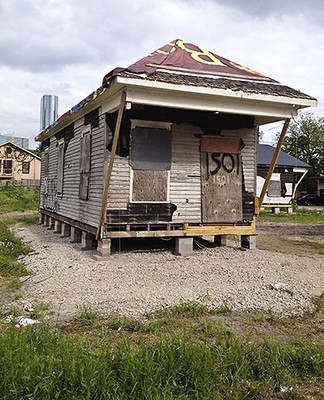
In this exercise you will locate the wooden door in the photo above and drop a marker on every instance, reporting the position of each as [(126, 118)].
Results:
[(221, 177)]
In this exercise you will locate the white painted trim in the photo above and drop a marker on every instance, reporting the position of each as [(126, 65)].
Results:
[(301, 170), (150, 124), (195, 101), (141, 83), (86, 130), (131, 181)]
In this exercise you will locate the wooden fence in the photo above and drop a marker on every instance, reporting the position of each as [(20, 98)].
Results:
[(27, 183)]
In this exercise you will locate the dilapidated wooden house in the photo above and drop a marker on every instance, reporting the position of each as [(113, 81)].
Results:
[(163, 148)]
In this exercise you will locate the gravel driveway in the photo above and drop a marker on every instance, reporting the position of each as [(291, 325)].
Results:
[(132, 283)]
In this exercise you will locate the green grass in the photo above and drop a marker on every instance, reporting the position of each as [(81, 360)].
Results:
[(194, 308), (14, 197), (11, 248), (300, 216), (42, 363)]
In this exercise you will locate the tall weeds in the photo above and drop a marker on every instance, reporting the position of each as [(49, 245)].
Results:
[(39, 363)]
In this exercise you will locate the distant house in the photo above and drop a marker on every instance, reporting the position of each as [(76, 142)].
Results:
[(287, 175), (18, 163)]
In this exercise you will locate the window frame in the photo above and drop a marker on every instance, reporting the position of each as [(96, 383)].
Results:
[(153, 125), (24, 170)]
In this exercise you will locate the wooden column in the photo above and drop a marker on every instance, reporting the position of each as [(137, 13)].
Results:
[(110, 165), (274, 161)]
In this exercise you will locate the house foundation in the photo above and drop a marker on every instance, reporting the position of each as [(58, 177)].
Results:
[(183, 246), (248, 242)]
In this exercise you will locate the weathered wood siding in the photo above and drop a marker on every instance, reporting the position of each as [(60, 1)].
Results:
[(48, 194), (68, 204), (249, 162), (185, 186), (119, 189)]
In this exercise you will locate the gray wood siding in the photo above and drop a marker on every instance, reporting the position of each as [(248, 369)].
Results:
[(185, 185), (48, 195), (249, 137), (118, 196), (68, 204)]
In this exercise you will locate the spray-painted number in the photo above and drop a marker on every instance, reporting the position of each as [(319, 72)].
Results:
[(226, 161)]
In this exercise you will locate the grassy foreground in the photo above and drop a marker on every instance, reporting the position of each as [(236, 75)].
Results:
[(165, 358), (187, 352)]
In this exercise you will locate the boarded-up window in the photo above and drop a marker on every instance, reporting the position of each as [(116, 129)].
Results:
[(60, 168), (150, 159), (85, 165), (150, 185)]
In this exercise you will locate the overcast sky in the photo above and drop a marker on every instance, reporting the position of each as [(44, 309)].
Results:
[(65, 47)]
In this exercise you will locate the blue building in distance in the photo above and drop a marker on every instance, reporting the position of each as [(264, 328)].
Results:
[(48, 110)]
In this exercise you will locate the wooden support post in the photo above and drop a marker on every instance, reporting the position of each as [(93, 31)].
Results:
[(75, 235), (274, 161), (51, 222), (46, 220), (110, 165), (297, 184), (41, 218), (65, 230), (57, 226), (86, 241), (248, 242), (220, 240)]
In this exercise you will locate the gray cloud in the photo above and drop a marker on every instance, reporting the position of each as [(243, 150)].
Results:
[(313, 10), (65, 47)]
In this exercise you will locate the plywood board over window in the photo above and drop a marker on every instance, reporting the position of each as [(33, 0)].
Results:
[(85, 165), (221, 180), (150, 159)]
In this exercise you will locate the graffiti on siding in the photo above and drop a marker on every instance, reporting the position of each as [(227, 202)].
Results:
[(49, 194)]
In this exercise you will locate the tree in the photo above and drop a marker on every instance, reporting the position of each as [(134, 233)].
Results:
[(305, 141)]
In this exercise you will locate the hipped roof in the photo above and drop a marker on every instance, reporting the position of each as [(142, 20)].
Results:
[(180, 56), (185, 65), (265, 154)]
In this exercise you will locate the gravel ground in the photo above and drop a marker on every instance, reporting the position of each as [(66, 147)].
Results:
[(132, 283)]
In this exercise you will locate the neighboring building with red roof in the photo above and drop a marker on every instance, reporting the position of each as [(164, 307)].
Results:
[(166, 148)]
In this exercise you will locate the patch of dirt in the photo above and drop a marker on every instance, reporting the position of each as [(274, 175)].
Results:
[(261, 325), (297, 239)]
